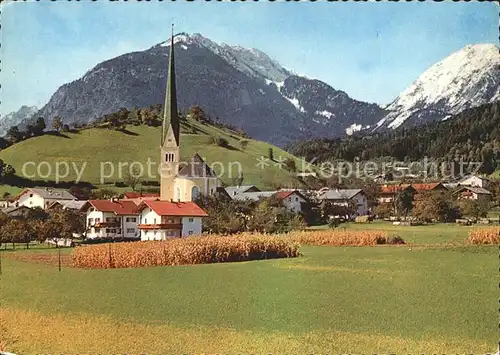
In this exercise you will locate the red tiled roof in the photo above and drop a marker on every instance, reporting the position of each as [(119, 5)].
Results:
[(390, 189), (141, 195), (425, 187), (117, 207), (167, 208), (281, 195)]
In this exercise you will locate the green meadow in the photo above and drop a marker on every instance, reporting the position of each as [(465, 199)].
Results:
[(439, 295)]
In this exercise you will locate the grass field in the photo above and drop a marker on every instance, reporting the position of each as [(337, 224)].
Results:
[(386, 299), (94, 146)]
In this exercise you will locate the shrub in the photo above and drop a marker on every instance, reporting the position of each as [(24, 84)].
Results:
[(486, 235), (222, 142), (337, 237), (182, 251), (395, 239), (290, 164)]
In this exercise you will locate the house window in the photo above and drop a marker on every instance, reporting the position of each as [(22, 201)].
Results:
[(190, 232), (91, 220), (108, 230), (97, 220), (296, 199), (130, 230), (170, 233), (154, 220), (31, 195), (145, 221), (131, 219), (191, 220)]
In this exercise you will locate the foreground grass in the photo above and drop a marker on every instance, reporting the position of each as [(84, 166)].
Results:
[(371, 299)]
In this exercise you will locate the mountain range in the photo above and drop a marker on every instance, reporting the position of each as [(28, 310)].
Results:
[(247, 89)]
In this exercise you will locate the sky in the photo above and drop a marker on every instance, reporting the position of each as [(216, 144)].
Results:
[(372, 50)]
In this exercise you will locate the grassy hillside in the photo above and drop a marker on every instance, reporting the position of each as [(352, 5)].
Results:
[(95, 146)]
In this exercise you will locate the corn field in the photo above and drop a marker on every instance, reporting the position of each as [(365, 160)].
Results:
[(344, 237), (486, 235), (192, 250)]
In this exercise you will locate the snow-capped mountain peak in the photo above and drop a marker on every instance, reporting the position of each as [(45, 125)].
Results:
[(250, 61), (467, 78)]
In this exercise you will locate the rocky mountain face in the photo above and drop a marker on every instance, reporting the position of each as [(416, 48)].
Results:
[(242, 87), (15, 118), (467, 78)]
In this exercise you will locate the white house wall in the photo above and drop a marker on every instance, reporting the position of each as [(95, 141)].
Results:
[(191, 226)]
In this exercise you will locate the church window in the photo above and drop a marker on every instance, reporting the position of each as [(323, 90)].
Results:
[(195, 193)]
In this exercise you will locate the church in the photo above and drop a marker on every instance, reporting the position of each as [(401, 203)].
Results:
[(181, 183)]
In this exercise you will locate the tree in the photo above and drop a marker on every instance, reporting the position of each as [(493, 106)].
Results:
[(133, 176), (69, 221), (6, 170), (243, 144), (17, 231), (14, 135), (290, 164), (196, 113), (474, 208), (103, 194), (383, 210), (222, 142), (403, 202), (37, 214), (57, 123), (435, 206), (270, 154), (39, 126), (47, 230)]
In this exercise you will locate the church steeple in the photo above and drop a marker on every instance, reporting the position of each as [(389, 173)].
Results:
[(170, 113)]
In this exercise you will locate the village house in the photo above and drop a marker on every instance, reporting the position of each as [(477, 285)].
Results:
[(473, 193), (42, 197), (111, 219), (346, 198), (235, 190), (66, 205), (474, 180), (388, 193), (17, 212), (292, 200), (427, 187), (160, 220)]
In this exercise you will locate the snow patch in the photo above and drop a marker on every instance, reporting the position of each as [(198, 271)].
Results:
[(295, 102), (325, 113), (353, 128)]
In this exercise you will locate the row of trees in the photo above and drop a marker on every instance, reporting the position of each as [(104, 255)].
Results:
[(40, 226)]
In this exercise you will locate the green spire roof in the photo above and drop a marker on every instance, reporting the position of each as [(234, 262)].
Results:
[(170, 113)]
